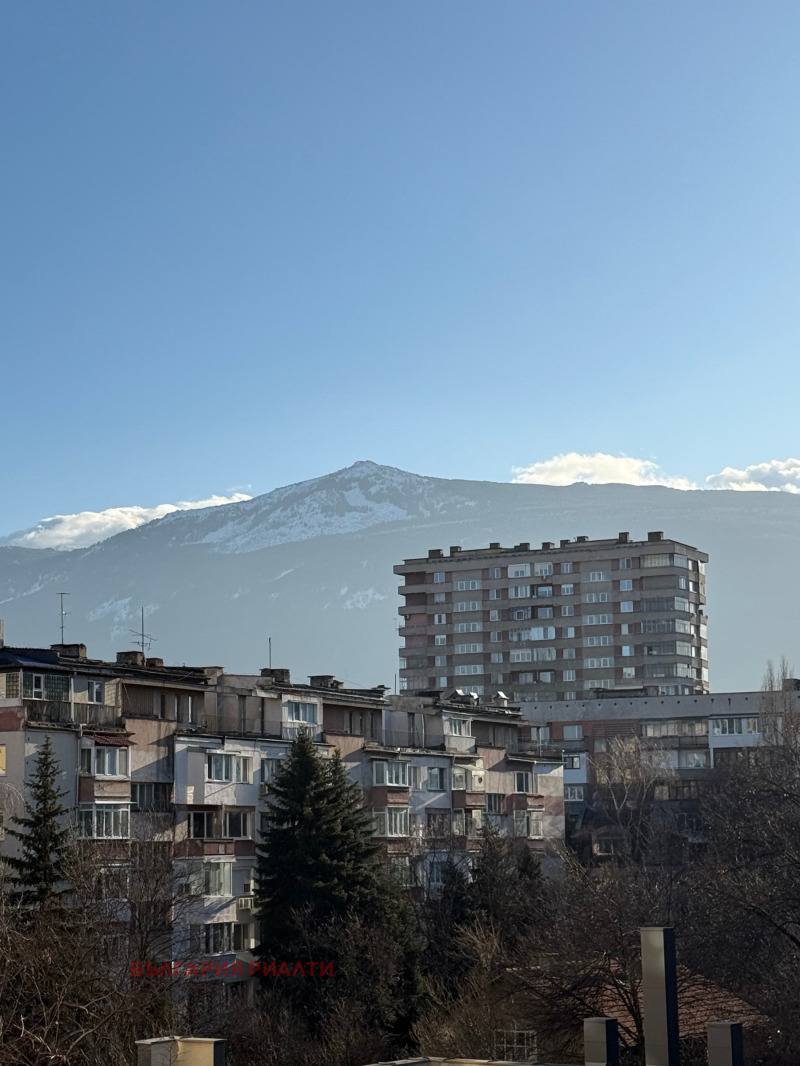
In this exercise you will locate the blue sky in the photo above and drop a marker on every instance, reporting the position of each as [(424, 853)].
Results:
[(246, 244)]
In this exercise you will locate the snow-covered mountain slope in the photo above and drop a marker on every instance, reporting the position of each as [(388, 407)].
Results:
[(310, 565)]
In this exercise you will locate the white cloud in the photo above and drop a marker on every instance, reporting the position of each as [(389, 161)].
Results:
[(597, 469), (88, 527), (776, 475)]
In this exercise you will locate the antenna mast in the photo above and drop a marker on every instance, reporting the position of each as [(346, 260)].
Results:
[(61, 596), (144, 640)]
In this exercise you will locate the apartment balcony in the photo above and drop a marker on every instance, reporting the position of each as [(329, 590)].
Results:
[(292, 730), (462, 799), (65, 713), (233, 723), (387, 796), (459, 744)]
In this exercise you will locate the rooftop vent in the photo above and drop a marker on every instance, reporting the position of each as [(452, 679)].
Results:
[(494, 545), (548, 544), (500, 699), (324, 681), (455, 549), (130, 658), (658, 535), (434, 553), (154, 663), (564, 543), (524, 546), (623, 538), (581, 540)]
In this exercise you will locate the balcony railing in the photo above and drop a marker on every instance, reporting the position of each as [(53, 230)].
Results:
[(64, 713)]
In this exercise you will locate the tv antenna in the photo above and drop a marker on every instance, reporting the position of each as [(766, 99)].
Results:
[(144, 640), (63, 613)]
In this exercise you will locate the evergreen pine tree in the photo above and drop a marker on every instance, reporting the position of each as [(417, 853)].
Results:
[(40, 869)]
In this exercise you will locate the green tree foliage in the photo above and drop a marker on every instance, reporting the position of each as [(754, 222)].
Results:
[(325, 895), (40, 870)]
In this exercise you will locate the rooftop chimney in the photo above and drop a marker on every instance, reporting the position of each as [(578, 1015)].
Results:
[(324, 681), (130, 658), (154, 664), (655, 536), (623, 538), (278, 676), (455, 549), (523, 546), (70, 651), (495, 545), (564, 543), (548, 544), (581, 540), (434, 553)]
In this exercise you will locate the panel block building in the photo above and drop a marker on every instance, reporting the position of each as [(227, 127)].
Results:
[(556, 622)]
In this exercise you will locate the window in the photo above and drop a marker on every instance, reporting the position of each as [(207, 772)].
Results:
[(567, 610), (442, 681), (494, 616), (567, 590), (727, 727), (436, 779), (440, 640), (626, 585), (495, 637), (628, 671), (573, 732), (495, 594), (214, 939), (598, 642), (544, 591), (603, 663), (626, 606), (528, 824), (568, 631), (391, 773), (201, 825), (595, 597), (458, 727), (522, 656), (439, 597), (526, 679), (626, 629), (566, 568), (753, 725), (217, 878), (569, 675), (627, 649), (95, 692), (151, 796), (440, 660), (111, 762), (495, 573), (302, 712), (440, 619), (568, 653), (459, 778), (519, 570), (570, 695), (543, 569), (468, 605), (438, 824), (544, 612), (693, 760), (494, 802), (469, 668), (625, 564), (104, 822), (467, 586), (522, 782), (519, 592), (439, 577), (655, 560), (497, 656), (573, 793), (597, 619), (391, 822), (572, 762), (468, 627), (468, 649), (599, 575), (228, 767), (237, 825)]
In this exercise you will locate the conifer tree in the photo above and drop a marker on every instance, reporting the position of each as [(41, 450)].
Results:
[(39, 871)]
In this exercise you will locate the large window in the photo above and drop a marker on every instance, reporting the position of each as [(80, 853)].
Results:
[(573, 732), (468, 649), (599, 575), (391, 822), (228, 768), (597, 619), (519, 570), (111, 762), (467, 605), (467, 586), (543, 569), (104, 822), (392, 772), (458, 727), (519, 592), (301, 712), (523, 782), (95, 692), (201, 825), (469, 668), (217, 877), (151, 796), (727, 727), (602, 663), (529, 824), (238, 824), (468, 627)]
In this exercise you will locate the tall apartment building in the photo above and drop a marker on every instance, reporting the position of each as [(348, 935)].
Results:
[(556, 622)]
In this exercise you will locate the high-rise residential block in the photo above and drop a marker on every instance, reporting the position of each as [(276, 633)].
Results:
[(556, 622)]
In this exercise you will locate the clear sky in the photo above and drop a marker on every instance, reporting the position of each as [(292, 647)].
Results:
[(247, 243)]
